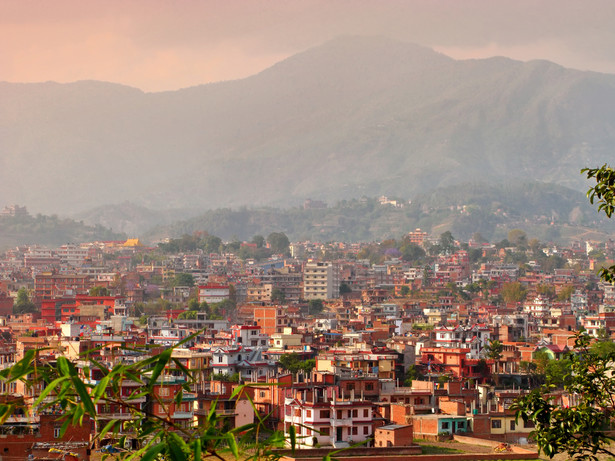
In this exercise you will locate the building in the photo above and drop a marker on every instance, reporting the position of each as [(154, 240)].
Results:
[(321, 418), (214, 293), (320, 280)]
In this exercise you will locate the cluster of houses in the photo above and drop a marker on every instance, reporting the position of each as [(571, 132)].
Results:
[(389, 352)]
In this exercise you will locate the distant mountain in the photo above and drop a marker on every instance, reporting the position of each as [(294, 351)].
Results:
[(544, 211), (49, 231), (131, 219), (355, 116)]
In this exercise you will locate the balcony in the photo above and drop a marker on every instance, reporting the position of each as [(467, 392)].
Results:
[(337, 422), (182, 415)]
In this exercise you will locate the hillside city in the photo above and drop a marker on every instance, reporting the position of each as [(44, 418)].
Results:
[(385, 342)]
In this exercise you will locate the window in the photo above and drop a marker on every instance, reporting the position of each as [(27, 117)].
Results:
[(365, 430), (366, 413), (56, 432), (512, 425), (369, 387), (262, 394), (355, 430), (444, 425), (164, 391), (496, 423), (324, 431), (355, 413), (219, 359), (461, 424), (325, 414), (528, 425), (308, 413)]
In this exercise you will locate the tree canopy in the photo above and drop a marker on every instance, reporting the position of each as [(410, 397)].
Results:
[(587, 374)]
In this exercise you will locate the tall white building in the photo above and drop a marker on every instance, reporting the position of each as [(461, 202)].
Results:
[(320, 280)]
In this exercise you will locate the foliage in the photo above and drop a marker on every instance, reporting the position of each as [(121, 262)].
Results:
[(565, 293), (99, 291), (183, 280), (413, 373), (494, 349), (225, 377), (277, 296), (66, 386), (513, 292), (22, 304), (603, 193), (293, 363), (345, 288), (315, 306), (578, 429), (278, 242), (517, 237), (603, 348)]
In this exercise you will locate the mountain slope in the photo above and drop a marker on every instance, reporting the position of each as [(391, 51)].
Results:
[(355, 116)]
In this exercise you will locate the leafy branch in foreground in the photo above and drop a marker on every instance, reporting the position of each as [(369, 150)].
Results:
[(581, 428), (66, 387), (603, 193)]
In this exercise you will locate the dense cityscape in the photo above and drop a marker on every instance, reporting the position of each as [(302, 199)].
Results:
[(378, 343)]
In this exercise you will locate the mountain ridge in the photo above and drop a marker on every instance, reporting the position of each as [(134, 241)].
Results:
[(354, 116)]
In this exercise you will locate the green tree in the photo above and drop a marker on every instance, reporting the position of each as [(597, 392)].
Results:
[(183, 280), (345, 288), (565, 293), (581, 429), (413, 373), (405, 290), (22, 304), (315, 306), (546, 289), (294, 363), (494, 349), (259, 240), (278, 241), (278, 296), (211, 244), (517, 237), (412, 252), (99, 291), (513, 292), (447, 242)]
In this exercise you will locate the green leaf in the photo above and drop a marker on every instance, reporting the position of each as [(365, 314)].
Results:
[(151, 454), (48, 389), (163, 360), (100, 389), (107, 428), (292, 432), (86, 400), (197, 449), (232, 443)]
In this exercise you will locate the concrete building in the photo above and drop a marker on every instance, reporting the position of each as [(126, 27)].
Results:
[(320, 280)]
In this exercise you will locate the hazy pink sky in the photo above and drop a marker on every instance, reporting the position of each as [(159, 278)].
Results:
[(165, 45)]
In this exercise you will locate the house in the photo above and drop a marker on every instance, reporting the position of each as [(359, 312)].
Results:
[(321, 418), (394, 435)]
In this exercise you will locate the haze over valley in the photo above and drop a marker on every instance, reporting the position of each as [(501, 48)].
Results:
[(356, 116)]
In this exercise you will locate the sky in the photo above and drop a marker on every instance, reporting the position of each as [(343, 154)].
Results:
[(159, 45)]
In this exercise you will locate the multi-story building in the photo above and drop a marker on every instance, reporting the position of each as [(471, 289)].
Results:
[(320, 280), (213, 293), (322, 418), (271, 319)]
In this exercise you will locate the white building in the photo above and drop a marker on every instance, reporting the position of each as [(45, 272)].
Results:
[(320, 280), (321, 419)]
